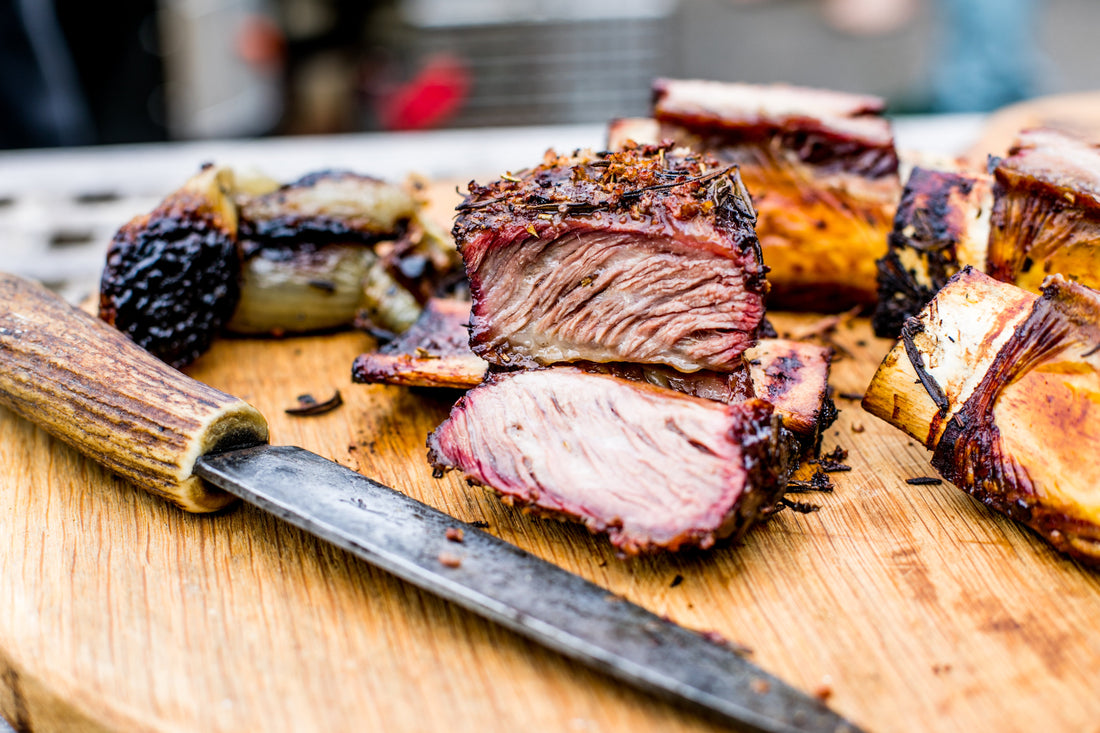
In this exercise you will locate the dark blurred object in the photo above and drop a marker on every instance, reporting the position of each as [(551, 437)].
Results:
[(76, 73)]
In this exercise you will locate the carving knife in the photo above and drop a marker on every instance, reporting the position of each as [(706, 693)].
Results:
[(87, 384)]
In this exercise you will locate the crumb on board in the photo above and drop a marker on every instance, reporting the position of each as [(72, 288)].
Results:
[(446, 559)]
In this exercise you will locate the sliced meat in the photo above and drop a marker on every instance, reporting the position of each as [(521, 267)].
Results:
[(1004, 388), (821, 167), (792, 375), (728, 387), (644, 256), (652, 468), (941, 226), (434, 352)]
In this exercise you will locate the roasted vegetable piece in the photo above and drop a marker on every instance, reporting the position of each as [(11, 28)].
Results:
[(254, 257), (645, 256), (941, 226), (1004, 387), (171, 279), (1038, 215), (821, 168), (327, 206), (298, 289), (1046, 216), (667, 471)]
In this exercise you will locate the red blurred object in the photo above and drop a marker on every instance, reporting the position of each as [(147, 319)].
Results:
[(430, 98), (261, 42)]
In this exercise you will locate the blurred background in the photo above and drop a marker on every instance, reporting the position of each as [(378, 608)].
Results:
[(469, 87), (80, 73)]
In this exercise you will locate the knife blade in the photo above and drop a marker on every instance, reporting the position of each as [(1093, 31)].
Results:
[(90, 386)]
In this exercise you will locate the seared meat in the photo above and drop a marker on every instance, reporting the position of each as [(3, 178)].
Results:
[(792, 375), (820, 165), (1004, 387), (645, 256), (941, 225), (171, 280), (435, 352), (1046, 218), (667, 471)]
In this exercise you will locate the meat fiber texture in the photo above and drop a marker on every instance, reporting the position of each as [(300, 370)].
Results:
[(666, 470), (645, 255)]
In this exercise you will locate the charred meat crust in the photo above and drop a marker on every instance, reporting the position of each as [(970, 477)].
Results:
[(832, 131), (678, 472), (626, 243), (171, 278), (931, 223)]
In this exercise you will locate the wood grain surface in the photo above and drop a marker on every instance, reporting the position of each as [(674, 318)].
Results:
[(912, 608), (915, 608)]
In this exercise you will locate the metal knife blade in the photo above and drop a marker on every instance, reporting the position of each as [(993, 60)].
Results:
[(508, 585), (90, 386)]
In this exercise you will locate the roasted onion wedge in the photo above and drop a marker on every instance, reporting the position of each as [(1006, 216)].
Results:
[(1004, 387), (941, 226), (250, 256)]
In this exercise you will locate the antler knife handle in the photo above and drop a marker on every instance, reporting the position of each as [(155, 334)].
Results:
[(89, 385)]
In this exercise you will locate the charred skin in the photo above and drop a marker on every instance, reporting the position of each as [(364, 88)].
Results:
[(673, 471), (1046, 218), (643, 256), (171, 279), (1008, 398), (325, 207), (941, 226), (434, 352), (822, 170)]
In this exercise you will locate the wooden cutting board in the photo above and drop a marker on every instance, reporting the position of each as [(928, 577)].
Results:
[(912, 608)]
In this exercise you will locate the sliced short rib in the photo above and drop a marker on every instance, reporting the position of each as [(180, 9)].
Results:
[(821, 167), (646, 256), (650, 467)]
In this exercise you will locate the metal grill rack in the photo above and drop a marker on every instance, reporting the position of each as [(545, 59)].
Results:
[(565, 63)]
